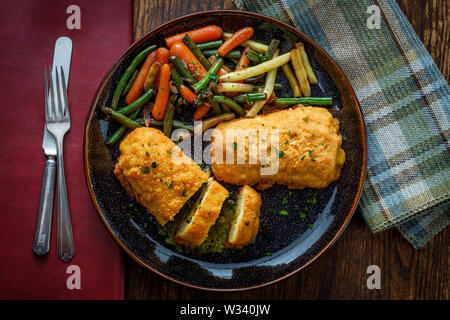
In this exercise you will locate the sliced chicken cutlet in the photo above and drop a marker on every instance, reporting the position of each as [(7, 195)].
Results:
[(194, 229), (245, 223), (308, 152), (148, 173)]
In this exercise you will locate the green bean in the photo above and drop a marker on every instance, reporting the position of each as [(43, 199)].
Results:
[(211, 122), (235, 54), (215, 106), (176, 124), (251, 97), (130, 83), (196, 51), (210, 45), (127, 74), (231, 103), (138, 103), (176, 79), (307, 100), (273, 45), (168, 116), (256, 57), (276, 86), (216, 91), (121, 131), (120, 118), (203, 83), (180, 67), (258, 78)]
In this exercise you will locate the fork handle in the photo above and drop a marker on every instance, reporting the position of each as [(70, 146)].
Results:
[(41, 244), (66, 249)]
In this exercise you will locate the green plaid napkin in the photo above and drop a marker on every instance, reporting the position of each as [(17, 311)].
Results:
[(405, 101)]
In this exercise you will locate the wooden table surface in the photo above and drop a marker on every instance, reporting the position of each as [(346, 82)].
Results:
[(340, 273)]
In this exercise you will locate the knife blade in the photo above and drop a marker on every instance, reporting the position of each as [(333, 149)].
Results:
[(61, 57)]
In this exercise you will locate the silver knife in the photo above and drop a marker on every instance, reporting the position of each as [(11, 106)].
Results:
[(61, 57)]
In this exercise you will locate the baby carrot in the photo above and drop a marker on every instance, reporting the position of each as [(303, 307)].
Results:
[(201, 110), (187, 94), (162, 98), (236, 39), (244, 62), (201, 35), (138, 85), (194, 66), (162, 56)]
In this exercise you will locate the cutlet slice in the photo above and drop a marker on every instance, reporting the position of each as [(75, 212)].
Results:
[(194, 229), (245, 224), (148, 171)]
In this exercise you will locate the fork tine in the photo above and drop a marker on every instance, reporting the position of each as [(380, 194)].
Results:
[(59, 104), (64, 91), (46, 93), (52, 109)]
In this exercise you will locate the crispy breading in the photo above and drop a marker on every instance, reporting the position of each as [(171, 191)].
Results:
[(245, 224), (145, 166), (194, 229), (308, 149)]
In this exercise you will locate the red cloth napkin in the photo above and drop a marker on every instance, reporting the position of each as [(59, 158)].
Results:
[(28, 33)]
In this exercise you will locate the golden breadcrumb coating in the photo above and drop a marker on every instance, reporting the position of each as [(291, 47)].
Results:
[(309, 149), (145, 167)]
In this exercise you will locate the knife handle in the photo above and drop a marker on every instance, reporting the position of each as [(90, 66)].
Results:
[(41, 245)]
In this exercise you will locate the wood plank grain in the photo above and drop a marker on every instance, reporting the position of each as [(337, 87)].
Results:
[(341, 272)]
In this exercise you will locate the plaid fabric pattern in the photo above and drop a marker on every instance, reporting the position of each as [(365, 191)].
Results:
[(405, 101)]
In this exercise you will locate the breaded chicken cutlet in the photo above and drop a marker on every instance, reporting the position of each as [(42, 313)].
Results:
[(309, 152), (147, 172), (195, 227), (245, 223)]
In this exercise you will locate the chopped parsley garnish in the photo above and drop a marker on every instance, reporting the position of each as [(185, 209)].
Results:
[(310, 152), (234, 144), (284, 212), (147, 153), (285, 201), (281, 154), (170, 185), (268, 253), (344, 137), (302, 158), (305, 119), (312, 159), (184, 193), (310, 225), (145, 170), (153, 164), (302, 215)]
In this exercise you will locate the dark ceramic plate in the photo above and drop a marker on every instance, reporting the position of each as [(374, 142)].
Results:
[(285, 244)]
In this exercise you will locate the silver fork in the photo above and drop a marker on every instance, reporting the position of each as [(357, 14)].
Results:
[(57, 118)]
